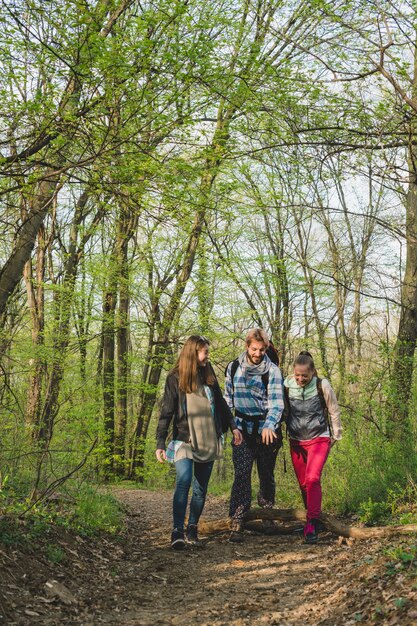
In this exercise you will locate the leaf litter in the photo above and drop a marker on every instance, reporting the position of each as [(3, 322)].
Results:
[(135, 579)]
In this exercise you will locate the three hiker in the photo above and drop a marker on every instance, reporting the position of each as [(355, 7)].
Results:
[(253, 390), (256, 396), (194, 403)]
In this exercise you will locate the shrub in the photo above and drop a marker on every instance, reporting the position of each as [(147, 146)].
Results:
[(96, 510)]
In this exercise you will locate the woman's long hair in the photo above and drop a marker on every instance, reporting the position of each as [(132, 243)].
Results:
[(190, 374)]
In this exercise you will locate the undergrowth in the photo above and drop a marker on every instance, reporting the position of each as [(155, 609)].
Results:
[(85, 509)]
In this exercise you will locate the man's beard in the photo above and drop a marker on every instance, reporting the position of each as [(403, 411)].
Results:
[(254, 362)]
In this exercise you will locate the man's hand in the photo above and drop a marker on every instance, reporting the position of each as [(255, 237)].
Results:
[(268, 435), (161, 455), (237, 437)]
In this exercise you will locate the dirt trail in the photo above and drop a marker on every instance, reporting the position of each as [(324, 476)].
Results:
[(137, 580)]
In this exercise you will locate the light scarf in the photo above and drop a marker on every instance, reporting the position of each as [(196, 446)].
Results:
[(250, 369)]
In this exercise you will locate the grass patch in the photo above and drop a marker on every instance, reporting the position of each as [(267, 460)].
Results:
[(55, 553), (402, 558), (96, 511)]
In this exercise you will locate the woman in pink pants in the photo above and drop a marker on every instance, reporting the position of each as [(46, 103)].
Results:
[(313, 426)]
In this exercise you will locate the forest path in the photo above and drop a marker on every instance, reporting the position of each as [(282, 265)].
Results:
[(135, 579)]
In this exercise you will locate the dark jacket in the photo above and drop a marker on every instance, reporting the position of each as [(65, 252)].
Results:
[(174, 408)]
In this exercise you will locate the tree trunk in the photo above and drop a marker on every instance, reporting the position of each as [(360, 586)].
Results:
[(36, 302), (122, 339), (108, 332), (404, 351), (82, 323), (62, 314), (11, 272), (205, 296)]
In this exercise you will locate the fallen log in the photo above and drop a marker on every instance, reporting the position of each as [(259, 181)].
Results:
[(288, 528), (207, 527)]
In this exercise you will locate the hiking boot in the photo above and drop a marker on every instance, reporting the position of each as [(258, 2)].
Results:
[(311, 534), (263, 502), (236, 534), (191, 535), (177, 539)]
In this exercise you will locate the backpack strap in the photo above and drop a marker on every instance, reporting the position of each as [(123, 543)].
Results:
[(319, 383), (287, 405), (233, 368)]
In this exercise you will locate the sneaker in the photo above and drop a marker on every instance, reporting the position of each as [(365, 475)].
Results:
[(311, 534), (191, 536), (177, 539), (263, 502)]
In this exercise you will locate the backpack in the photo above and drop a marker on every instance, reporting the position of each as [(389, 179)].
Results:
[(272, 353), (319, 385)]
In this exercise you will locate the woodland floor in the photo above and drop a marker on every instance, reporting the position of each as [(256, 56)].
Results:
[(135, 579)]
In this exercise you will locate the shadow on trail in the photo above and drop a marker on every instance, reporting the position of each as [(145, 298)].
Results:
[(135, 579)]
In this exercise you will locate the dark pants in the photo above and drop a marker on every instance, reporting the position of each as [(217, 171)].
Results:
[(244, 455), (202, 472)]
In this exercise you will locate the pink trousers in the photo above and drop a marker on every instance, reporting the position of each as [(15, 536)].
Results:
[(308, 459)]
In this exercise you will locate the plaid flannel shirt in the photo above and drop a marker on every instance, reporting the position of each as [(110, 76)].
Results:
[(251, 398)]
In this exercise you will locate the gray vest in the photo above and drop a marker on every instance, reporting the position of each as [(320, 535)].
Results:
[(306, 419)]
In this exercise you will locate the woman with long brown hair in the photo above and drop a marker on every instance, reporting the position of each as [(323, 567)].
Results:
[(193, 401)]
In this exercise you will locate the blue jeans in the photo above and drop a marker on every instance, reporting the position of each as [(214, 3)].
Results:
[(202, 473)]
